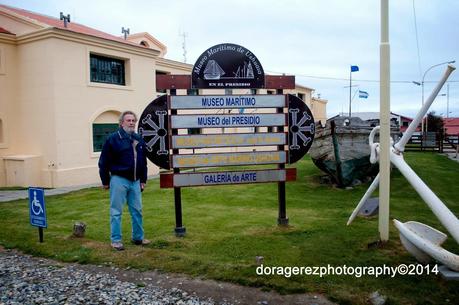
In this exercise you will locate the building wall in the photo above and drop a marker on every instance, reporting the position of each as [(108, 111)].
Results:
[(8, 104), (30, 125), (319, 110), (81, 102), (53, 104)]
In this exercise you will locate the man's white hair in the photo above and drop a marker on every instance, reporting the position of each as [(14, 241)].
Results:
[(124, 113)]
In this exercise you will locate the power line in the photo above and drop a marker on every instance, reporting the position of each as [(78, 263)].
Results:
[(357, 80)]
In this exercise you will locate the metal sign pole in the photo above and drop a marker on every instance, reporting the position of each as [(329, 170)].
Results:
[(40, 234), (180, 230), (282, 220)]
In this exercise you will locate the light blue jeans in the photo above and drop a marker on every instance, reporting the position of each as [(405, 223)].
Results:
[(123, 190)]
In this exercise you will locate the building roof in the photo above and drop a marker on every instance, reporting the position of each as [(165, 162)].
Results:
[(451, 125), (147, 36), (3, 31), (47, 21), (365, 116), (451, 121), (304, 87)]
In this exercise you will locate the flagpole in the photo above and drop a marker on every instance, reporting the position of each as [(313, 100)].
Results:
[(350, 89)]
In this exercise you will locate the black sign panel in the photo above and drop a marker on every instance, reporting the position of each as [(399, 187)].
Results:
[(227, 65), (301, 128), (153, 127)]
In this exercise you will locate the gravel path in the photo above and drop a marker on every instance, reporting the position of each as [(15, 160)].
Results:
[(27, 280)]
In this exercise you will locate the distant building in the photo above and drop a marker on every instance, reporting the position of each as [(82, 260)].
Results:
[(451, 126), (404, 122), (62, 89)]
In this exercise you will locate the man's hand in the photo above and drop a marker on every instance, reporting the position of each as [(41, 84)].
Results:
[(142, 186), (105, 187)]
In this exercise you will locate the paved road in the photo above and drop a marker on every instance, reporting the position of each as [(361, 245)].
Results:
[(22, 194), (453, 157)]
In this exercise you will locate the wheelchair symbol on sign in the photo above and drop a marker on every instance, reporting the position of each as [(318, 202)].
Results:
[(37, 209)]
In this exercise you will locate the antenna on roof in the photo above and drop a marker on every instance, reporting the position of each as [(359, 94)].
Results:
[(125, 32), (184, 35), (65, 18)]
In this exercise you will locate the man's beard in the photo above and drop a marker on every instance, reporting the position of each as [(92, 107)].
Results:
[(129, 130)]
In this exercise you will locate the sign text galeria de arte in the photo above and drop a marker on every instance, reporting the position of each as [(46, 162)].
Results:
[(290, 126)]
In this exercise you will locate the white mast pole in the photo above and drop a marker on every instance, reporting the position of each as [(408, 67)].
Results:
[(384, 161)]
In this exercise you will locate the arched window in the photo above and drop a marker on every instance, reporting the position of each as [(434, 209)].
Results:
[(144, 43), (104, 125)]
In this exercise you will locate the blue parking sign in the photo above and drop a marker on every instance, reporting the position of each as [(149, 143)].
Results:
[(37, 207)]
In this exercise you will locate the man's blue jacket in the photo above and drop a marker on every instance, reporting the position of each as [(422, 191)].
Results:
[(117, 157)]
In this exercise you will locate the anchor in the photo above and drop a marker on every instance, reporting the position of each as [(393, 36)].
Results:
[(420, 240)]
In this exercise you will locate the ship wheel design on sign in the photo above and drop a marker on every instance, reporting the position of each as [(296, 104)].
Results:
[(153, 127), (158, 132), (301, 128)]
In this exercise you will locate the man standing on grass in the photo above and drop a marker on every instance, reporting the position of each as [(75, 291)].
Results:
[(123, 170)]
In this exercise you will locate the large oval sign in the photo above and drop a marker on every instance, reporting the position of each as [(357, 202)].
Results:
[(301, 128), (154, 129), (227, 65)]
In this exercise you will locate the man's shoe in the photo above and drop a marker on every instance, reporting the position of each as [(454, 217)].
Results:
[(143, 242), (118, 246)]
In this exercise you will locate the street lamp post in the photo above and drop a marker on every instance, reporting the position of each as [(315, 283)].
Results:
[(447, 100), (422, 85)]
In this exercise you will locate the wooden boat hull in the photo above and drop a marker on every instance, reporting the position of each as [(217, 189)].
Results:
[(343, 152)]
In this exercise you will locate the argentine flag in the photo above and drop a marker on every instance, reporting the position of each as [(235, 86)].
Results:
[(363, 94)]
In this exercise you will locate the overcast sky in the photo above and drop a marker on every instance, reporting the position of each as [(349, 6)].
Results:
[(316, 40)]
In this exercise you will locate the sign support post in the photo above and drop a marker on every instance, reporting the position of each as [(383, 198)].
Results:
[(40, 234), (180, 230), (282, 220)]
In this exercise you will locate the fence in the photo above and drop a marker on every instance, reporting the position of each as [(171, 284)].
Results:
[(453, 140), (431, 141)]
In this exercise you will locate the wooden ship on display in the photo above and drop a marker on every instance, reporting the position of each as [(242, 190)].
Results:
[(340, 149)]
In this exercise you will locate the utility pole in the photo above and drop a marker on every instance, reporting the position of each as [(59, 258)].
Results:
[(447, 100)]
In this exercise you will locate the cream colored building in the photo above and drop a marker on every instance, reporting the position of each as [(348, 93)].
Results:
[(61, 87)]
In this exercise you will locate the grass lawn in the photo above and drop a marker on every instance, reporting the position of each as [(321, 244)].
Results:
[(228, 226)]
